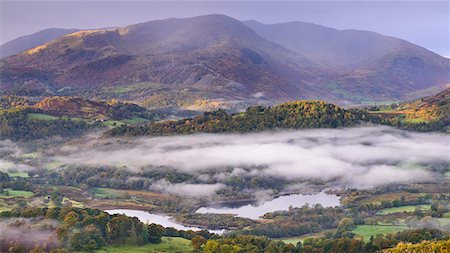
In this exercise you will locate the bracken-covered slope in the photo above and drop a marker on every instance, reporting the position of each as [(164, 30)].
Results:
[(217, 61), (424, 114), (436, 107)]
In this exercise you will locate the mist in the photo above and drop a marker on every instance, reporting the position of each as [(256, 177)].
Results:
[(356, 157), (184, 189), (28, 232)]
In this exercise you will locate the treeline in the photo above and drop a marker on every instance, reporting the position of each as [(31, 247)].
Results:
[(238, 187), (86, 229), (350, 244), (293, 115), (15, 124), (247, 243), (423, 247), (332, 244), (434, 125), (296, 222), (12, 101), (215, 221)]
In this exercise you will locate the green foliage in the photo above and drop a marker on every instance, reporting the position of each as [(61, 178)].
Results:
[(297, 221), (366, 231), (300, 114), (247, 243), (345, 225), (16, 124), (423, 247), (215, 221), (10, 193), (401, 209), (168, 244), (89, 229)]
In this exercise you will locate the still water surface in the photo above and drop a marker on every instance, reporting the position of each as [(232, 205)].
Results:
[(254, 211), (148, 218)]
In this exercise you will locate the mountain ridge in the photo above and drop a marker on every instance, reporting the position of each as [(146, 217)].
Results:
[(218, 58)]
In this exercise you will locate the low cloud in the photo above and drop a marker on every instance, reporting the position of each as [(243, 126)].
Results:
[(357, 157), (28, 232), (184, 189)]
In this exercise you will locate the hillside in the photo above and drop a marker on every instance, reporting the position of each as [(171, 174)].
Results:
[(33, 40), (208, 57), (292, 115), (89, 109), (436, 107), (431, 110), (216, 61), (371, 64), (26, 119)]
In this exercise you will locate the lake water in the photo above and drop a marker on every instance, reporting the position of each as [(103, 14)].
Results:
[(254, 211), (148, 218)]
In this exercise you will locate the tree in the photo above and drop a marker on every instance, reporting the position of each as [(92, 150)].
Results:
[(198, 241), (155, 233), (346, 224)]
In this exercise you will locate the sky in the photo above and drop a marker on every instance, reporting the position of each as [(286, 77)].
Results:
[(426, 23)]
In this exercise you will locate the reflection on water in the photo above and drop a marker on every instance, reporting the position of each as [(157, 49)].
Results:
[(162, 220), (253, 211)]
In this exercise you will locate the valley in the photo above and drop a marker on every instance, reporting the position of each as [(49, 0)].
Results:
[(215, 134), (296, 172)]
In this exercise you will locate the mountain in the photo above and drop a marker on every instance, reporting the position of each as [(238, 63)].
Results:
[(217, 61), (212, 57), (371, 64), (33, 40)]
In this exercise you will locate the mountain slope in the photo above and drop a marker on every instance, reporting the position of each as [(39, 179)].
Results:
[(89, 109), (431, 113), (214, 55), (372, 65), (436, 107), (215, 60), (33, 40)]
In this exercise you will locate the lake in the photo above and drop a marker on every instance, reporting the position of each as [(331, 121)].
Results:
[(254, 211), (148, 218)]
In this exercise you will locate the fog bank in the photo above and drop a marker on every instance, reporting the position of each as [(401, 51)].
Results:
[(359, 157)]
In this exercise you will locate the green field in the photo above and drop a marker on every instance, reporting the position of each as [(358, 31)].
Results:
[(113, 123), (444, 221), (295, 239), (105, 193), (41, 116), (135, 120), (30, 155), (402, 209), (168, 244), (128, 88), (18, 174), (9, 193), (366, 231)]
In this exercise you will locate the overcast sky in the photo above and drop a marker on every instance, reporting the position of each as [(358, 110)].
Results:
[(425, 23)]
